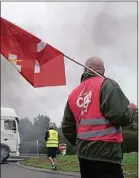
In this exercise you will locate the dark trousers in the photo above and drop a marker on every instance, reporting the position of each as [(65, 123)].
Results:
[(98, 169)]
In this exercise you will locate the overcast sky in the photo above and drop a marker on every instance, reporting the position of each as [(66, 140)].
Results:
[(80, 30)]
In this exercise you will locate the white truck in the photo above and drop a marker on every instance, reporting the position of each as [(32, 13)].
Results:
[(10, 138)]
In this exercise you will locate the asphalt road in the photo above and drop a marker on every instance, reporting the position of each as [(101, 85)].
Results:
[(11, 170)]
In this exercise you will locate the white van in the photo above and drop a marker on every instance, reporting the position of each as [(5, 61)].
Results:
[(10, 138)]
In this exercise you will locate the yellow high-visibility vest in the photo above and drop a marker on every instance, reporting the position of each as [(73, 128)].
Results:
[(53, 139)]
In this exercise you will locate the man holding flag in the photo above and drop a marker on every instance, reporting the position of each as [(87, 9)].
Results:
[(96, 111)]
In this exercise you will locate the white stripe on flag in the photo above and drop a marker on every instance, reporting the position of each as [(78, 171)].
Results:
[(13, 59), (40, 46), (37, 67)]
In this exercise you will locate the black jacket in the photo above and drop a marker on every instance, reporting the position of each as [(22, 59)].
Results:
[(114, 104)]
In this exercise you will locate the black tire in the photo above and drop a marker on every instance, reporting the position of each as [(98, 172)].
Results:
[(4, 154)]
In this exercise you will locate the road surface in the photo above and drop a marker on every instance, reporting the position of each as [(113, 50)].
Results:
[(11, 170)]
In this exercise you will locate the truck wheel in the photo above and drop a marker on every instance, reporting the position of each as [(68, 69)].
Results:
[(4, 154)]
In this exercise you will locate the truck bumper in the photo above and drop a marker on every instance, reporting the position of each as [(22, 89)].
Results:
[(14, 154)]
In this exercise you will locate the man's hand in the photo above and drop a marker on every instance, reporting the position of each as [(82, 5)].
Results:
[(133, 107)]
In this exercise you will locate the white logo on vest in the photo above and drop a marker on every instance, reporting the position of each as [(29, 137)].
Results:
[(84, 100)]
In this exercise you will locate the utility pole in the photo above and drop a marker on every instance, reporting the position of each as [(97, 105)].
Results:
[(37, 143)]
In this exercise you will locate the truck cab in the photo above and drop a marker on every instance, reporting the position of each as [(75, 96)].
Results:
[(10, 138)]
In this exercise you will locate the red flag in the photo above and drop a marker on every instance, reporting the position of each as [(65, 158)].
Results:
[(24, 50)]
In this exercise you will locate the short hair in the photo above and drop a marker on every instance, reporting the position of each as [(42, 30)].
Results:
[(95, 63), (51, 125)]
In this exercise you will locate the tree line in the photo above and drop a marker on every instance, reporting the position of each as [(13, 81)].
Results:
[(30, 132)]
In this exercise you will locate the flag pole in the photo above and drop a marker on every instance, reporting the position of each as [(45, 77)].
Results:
[(84, 66)]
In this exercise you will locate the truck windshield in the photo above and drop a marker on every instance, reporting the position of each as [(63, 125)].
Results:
[(9, 125)]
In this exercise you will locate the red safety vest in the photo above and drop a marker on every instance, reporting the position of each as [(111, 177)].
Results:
[(84, 103)]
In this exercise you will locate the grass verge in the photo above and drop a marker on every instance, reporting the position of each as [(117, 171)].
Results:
[(70, 164)]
